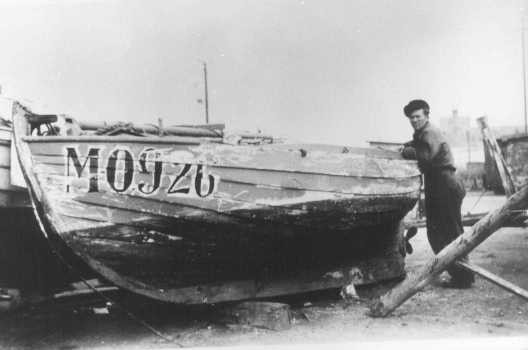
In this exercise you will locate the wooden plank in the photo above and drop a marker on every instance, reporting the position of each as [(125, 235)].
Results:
[(263, 158), (510, 287), (494, 150), (518, 220), (467, 220), (454, 251), (273, 179), (235, 200)]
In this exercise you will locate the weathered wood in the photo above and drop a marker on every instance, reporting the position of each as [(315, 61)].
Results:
[(285, 158), (499, 281), (455, 250), (269, 315), (357, 184), (490, 142), (218, 236)]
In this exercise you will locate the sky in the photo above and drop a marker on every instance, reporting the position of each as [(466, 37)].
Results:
[(330, 71)]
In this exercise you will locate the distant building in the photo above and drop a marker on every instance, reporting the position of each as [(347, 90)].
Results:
[(456, 128), (460, 130)]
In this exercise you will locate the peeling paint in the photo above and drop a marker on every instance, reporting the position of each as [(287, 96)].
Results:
[(355, 274), (334, 274)]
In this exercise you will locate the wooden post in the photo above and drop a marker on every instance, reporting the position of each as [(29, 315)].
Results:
[(523, 49), (454, 251)]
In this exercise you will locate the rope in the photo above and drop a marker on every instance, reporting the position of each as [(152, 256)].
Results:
[(128, 128), (478, 200)]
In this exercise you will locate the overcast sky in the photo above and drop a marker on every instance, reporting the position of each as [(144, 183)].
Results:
[(319, 71)]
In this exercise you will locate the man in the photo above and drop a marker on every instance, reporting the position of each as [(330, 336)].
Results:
[(443, 191)]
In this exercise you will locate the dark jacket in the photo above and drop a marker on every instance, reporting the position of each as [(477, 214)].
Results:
[(443, 191), (430, 148)]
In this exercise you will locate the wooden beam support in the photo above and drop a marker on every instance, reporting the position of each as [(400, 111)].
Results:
[(510, 287), (454, 251), (517, 220), (467, 220)]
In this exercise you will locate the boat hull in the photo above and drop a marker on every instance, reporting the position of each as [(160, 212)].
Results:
[(11, 196), (26, 262), (187, 222)]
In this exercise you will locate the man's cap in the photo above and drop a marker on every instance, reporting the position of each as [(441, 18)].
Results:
[(415, 105)]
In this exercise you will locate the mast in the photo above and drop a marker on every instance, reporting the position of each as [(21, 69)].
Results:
[(206, 93), (524, 73)]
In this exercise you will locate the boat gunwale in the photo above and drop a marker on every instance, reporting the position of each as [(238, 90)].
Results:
[(198, 140), (113, 139)]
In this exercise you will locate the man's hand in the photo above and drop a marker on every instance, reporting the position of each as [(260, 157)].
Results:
[(408, 152)]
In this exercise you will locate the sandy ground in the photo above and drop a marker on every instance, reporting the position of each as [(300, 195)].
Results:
[(319, 318)]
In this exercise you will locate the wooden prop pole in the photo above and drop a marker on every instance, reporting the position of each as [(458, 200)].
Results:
[(454, 251), (501, 282)]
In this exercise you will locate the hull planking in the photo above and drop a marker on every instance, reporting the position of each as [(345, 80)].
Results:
[(187, 221)]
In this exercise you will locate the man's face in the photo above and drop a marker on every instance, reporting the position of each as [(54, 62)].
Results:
[(418, 119)]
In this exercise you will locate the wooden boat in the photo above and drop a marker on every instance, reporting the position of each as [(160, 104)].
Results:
[(27, 264), (197, 220), (13, 193)]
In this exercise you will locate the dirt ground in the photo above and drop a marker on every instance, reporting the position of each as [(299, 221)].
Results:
[(436, 313)]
